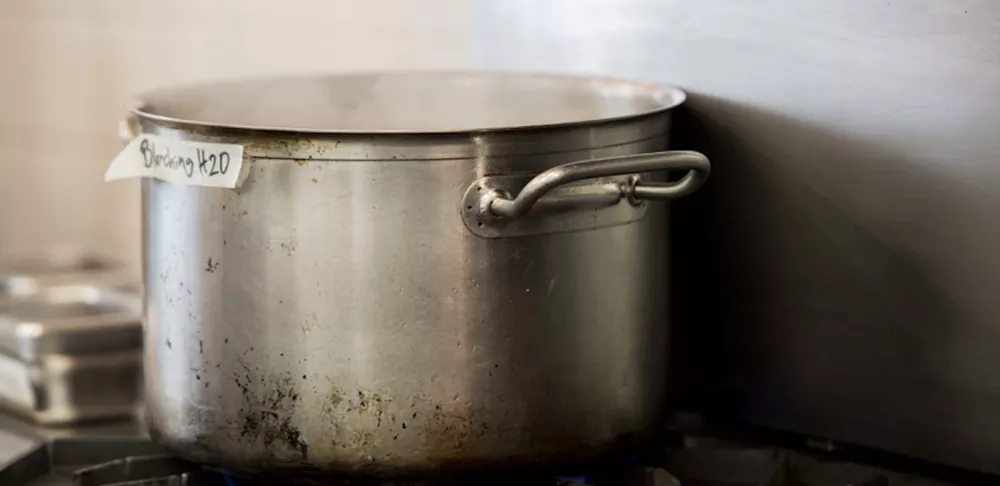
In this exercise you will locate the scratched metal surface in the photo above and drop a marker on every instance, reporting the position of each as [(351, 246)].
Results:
[(838, 275)]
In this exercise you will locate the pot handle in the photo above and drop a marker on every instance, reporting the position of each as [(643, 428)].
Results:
[(496, 204), (128, 128)]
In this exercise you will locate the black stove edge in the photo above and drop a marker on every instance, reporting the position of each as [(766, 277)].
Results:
[(24, 468), (726, 428)]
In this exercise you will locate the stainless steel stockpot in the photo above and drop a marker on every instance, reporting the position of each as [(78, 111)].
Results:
[(420, 274)]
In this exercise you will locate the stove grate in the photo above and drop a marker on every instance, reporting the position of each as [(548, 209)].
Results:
[(164, 470)]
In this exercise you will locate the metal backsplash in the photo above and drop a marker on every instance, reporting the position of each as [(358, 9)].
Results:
[(838, 276)]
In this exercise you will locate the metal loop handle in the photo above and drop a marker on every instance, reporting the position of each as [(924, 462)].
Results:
[(128, 128), (697, 165)]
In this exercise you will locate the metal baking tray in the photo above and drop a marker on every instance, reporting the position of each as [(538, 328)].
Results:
[(70, 353), (28, 274)]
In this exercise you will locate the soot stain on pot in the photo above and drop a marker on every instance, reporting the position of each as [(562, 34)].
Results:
[(212, 267), (274, 429), (453, 427), (365, 421), (267, 418), (352, 420), (358, 421)]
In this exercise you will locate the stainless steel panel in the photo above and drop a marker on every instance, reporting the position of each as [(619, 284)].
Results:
[(845, 277), (61, 389), (69, 320), (24, 274), (70, 353)]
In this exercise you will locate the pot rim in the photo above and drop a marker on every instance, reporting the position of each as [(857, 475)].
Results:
[(650, 98)]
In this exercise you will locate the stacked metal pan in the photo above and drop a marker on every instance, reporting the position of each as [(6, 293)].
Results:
[(70, 338)]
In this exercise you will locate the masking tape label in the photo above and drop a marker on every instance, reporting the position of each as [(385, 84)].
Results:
[(183, 162)]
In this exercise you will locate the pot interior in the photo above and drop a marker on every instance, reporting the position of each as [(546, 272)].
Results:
[(407, 102)]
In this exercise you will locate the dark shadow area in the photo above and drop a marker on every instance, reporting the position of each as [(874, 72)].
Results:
[(795, 306)]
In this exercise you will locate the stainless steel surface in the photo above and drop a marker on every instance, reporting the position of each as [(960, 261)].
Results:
[(573, 208), (839, 272), (70, 320), (62, 389), (335, 315), (497, 205), (491, 212), (70, 353), (401, 102), (25, 274)]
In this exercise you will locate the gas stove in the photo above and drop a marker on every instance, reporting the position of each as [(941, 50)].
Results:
[(119, 454)]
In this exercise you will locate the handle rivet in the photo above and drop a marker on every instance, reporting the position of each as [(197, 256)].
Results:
[(628, 190)]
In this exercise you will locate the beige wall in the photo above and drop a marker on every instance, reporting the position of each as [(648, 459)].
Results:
[(69, 67)]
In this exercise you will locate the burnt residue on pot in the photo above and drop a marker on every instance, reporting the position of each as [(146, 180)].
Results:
[(350, 418), (211, 266), (373, 423), (453, 428), (267, 415), (362, 431), (271, 429)]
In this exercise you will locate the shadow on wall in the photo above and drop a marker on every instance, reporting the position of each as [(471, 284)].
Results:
[(797, 309)]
